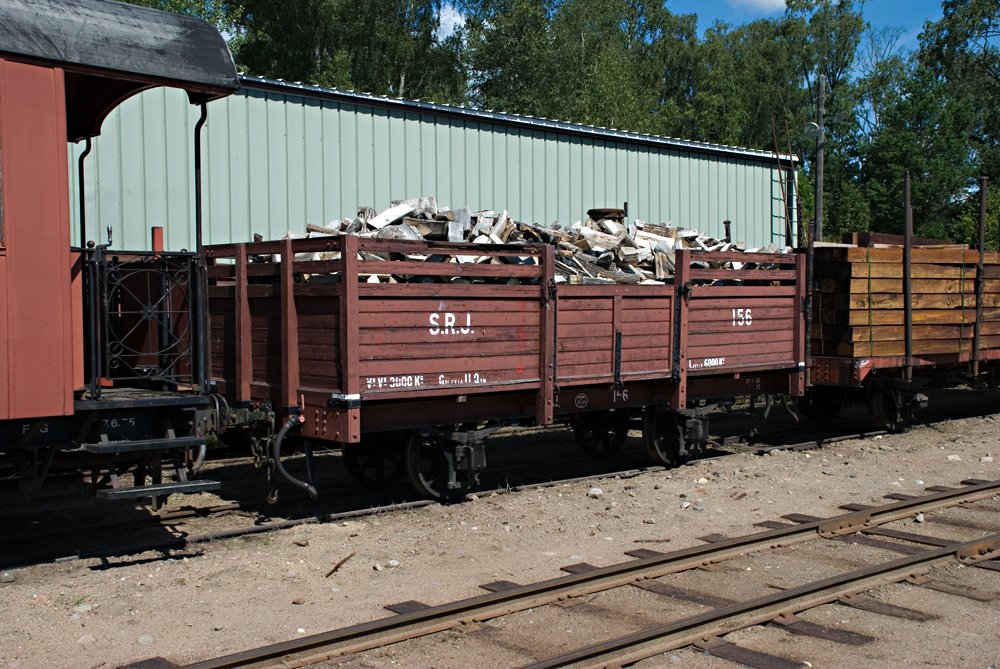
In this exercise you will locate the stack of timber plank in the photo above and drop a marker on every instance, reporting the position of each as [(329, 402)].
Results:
[(602, 249), (860, 305)]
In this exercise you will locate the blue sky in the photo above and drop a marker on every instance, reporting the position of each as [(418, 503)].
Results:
[(909, 15)]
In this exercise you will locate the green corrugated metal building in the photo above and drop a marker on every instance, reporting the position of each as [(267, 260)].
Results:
[(279, 156)]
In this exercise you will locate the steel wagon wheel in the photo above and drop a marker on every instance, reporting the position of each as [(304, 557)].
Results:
[(663, 437), (430, 468), (889, 407)]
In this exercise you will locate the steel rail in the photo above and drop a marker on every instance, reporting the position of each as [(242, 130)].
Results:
[(679, 633), (377, 633)]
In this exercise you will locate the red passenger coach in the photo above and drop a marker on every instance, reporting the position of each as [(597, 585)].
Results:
[(36, 328), (101, 351)]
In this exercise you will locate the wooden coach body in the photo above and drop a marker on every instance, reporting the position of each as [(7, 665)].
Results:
[(37, 352), (89, 359)]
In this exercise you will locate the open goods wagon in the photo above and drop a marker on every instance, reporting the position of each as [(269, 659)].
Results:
[(886, 325), (407, 354)]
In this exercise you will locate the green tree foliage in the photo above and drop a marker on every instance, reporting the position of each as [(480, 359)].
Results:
[(627, 64), (926, 134), (963, 50), (220, 13), (388, 47), (510, 52), (749, 87), (941, 126), (385, 46)]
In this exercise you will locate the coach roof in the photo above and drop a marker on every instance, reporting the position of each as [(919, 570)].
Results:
[(112, 50)]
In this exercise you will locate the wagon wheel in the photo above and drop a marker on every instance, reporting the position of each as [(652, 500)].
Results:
[(601, 433), (887, 406), (430, 468), (378, 462), (822, 404), (663, 437)]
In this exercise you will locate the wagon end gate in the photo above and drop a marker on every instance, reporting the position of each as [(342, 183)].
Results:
[(741, 328)]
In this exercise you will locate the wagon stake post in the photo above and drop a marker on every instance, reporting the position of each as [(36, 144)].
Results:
[(980, 273), (907, 278)]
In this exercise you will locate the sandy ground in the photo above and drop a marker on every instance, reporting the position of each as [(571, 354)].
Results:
[(235, 594)]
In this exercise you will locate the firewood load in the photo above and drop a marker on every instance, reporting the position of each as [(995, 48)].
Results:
[(603, 249)]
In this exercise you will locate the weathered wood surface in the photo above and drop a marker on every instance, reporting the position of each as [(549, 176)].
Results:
[(860, 307), (865, 286), (896, 332), (843, 270), (854, 317), (950, 256), (897, 348)]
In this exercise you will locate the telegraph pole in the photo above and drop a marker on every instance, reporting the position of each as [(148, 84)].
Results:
[(820, 150)]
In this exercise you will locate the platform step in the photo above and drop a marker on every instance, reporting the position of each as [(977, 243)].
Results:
[(140, 445), (179, 487)]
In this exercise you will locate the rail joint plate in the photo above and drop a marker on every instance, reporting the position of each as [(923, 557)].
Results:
[(980, 551), (847, 524)]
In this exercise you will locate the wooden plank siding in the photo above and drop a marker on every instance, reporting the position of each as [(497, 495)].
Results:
[(588, 320), (385, 341), (752, 323), (860, 310), (452, 336)]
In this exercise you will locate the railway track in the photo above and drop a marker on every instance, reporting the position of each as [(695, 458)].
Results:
[(511, 613), (186, 527)]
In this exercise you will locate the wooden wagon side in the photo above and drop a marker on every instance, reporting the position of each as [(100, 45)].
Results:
[(742, 329), (861, 305), (326, 326)]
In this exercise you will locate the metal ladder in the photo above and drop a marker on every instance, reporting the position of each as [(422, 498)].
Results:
[(170, 442)]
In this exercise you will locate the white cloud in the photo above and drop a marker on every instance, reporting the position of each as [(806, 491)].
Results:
[(768, 6), (450, 20)]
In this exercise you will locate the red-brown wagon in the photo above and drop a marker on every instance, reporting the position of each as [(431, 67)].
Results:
[(396, 351)]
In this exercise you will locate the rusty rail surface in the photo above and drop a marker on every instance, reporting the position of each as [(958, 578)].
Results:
[(365, 636), (686, 631)]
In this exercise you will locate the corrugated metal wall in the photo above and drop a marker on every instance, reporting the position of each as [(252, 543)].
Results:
[(278, 159)]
